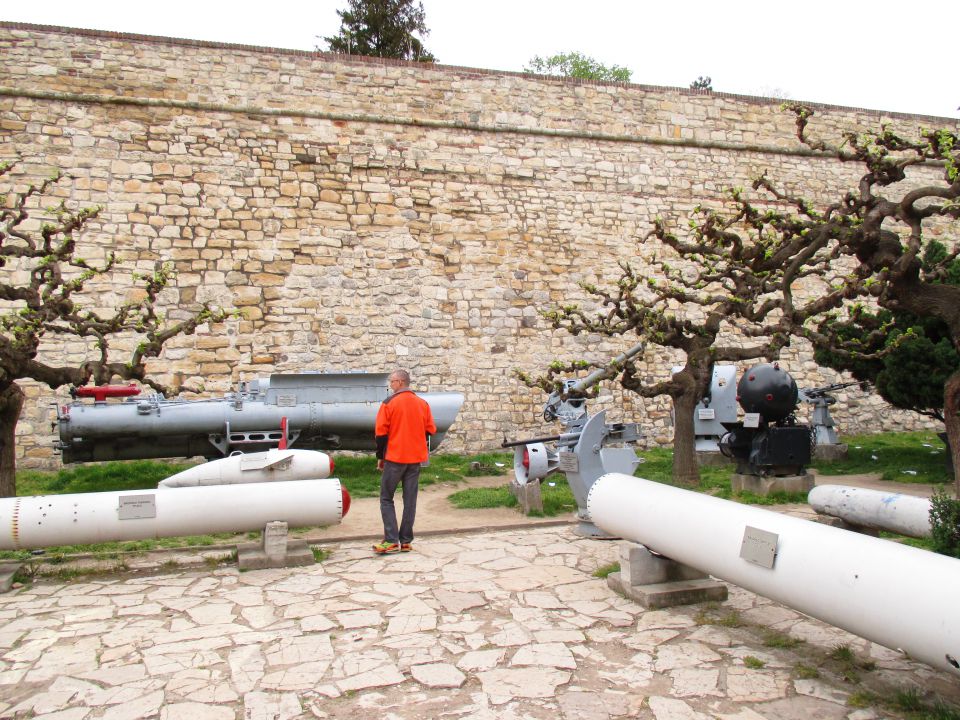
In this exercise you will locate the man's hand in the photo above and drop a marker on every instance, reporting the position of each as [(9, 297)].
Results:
[(380, 465)]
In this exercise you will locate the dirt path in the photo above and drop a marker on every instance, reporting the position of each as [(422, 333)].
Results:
[(435, 514)]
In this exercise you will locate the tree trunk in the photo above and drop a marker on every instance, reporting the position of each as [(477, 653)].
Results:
[(11, 402), (951, 420), (686, 469)]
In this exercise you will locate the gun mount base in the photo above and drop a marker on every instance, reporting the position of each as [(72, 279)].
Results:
[(765, 485)]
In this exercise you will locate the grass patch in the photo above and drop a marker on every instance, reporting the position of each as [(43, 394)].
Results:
[(709, 616), (103, 477), (481, 498), (360, 476), (774, 639), (714, 479), (919, 457), (554, 492), (902, 457), (115, 549), (319, 554), (605, 570), (753, 663), (805, 672)]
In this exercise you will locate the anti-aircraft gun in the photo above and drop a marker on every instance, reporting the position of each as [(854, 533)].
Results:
[(306, 411), (822, 398), (585, 449), (769, 441)]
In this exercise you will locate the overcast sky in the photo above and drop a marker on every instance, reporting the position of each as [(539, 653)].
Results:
[(874, 54)]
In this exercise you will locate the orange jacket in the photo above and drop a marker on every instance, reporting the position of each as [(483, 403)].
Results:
[(404, 421)]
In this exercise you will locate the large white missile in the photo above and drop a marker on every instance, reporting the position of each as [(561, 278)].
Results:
[(903, 514), (83, 518), (270, 466), (898, 596)]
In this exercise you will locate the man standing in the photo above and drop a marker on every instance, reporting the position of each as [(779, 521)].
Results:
[(404, 422)]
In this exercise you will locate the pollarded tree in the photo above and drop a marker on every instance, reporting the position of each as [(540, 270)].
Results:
[(725, 293), (382, 28), (887, 226), (44, 293), (752, 259)]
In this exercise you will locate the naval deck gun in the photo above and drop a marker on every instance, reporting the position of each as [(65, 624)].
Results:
[(587, 447)]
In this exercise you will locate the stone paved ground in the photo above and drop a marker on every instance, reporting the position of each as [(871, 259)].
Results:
[(508, 624)]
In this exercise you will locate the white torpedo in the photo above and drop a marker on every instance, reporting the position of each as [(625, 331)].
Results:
[(82, 518), (899, 596), (260, 467)]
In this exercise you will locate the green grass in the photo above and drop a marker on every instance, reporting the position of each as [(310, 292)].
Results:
[(134, 475), (360, 476), (605, 570), (114, 549), (714, 479), (898, 457), (481, 498), (775, 639), (554, 491)]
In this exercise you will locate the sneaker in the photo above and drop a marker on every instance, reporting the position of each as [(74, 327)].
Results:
[(406, 547), (386, 548)]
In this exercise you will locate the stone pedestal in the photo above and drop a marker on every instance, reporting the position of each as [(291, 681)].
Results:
[(658, 582), (844, 525), (274, 551), (838, 451), (764, 485), (528, 495), (712, 459), (7, 573)]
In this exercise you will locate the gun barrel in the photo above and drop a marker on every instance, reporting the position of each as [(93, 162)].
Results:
[(530, 441), (605, 372)]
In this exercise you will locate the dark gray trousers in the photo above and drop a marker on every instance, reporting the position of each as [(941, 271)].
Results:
[(406, 475)]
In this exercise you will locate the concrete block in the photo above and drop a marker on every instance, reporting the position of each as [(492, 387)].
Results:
[(712, 459), (655, 581), (275, 540), (765, 485), (528, 495), (663, 595), (831, 452), (275, 550), (844, 525), (7, 572), (638, 566)]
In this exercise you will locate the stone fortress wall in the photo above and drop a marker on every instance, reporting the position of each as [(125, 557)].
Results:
[(364, 214)]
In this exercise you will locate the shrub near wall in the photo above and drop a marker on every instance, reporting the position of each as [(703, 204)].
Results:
[(363, 214)]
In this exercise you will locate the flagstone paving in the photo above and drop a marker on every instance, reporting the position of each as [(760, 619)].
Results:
[(506, 625)]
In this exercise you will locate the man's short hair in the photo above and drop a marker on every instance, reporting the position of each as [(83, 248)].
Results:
[(401, 375)]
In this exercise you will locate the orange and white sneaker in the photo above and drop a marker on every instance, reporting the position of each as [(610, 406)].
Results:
[(386, 548)]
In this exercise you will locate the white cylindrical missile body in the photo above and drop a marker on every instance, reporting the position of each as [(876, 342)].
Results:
[(270, 466), (84, 518), (903, 514), (898, 596)]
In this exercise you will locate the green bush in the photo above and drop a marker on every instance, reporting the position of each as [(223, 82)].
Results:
[(945, 524)]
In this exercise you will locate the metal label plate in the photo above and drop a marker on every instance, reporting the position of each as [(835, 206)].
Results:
[(137, 507), (759, 547), (286, 400), (706, 414), (751, 420), (568, 462)]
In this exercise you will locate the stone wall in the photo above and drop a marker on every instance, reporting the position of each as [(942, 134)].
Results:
[(363, 214)]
